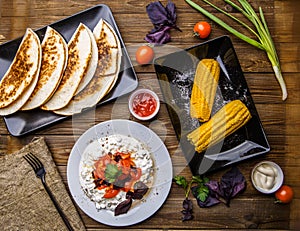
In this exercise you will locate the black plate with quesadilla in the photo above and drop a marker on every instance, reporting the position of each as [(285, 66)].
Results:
[(24, 122)]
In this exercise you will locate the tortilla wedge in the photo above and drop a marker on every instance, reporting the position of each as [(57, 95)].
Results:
[(22, 71), (108, 45), (54, 61), (109, 63), (92, 65), (36, 51), (79, 56)]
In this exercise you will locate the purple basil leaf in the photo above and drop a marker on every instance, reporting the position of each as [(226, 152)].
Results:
[(140, 189), (157, 13), (159, 36), (232, 182), (129, 195), (171, 12), (187, 210), (214, 187), (187, 215), (123, 207), (187, 204), (239, 188), (211, 200), (163, 19), (171, 9)]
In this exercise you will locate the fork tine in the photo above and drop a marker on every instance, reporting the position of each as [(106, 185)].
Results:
[(37, 160), (33, 161), (29, 161)]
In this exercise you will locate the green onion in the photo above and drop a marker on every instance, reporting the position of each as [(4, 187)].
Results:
[(264, 39)]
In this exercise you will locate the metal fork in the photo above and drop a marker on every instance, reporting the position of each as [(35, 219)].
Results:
[(40, 172)]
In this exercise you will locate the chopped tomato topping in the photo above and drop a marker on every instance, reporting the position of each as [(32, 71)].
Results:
[(144, 104), (130, 173), (110, 193), (128, 186)]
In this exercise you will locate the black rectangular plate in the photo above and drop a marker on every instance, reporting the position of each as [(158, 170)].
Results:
[(176, 71), (24, 122)]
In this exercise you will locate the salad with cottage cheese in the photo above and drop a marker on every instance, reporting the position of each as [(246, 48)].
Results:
[(116, 171)]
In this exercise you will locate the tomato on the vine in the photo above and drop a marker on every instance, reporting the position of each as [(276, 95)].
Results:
[(284, 194), (144, 54), (202, 29)]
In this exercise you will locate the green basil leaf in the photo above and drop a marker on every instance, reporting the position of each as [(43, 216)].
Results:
[(112, 173)]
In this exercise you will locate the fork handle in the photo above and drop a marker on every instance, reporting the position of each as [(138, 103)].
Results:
[(61, 213)]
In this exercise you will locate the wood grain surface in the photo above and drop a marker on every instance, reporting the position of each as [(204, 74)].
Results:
[(281, 120)]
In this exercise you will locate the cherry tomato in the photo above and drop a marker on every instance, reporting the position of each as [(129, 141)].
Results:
[(284, 194), (144, 54), (202, 29)]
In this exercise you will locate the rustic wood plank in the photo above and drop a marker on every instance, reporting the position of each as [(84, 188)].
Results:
[(132, 6), (244, 217), (136, 35)]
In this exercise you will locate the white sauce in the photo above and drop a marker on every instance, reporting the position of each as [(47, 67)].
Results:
[(101, 147), (265, 176)]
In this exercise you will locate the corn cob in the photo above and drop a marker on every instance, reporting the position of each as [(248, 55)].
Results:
[(226, 121), (204, 89)]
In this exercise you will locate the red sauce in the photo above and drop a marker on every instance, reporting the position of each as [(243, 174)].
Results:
[(144, 104)]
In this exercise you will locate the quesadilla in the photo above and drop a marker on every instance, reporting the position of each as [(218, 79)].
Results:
[(22, 71), (109, 62), (92, 65), (54, 60), (79, 56), (108, 46), (22, 76)]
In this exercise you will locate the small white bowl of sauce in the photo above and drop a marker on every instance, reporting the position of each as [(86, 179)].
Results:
[(267, 177), (143, 104)]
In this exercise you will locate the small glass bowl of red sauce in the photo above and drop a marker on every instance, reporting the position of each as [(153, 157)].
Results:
[(143, 104)]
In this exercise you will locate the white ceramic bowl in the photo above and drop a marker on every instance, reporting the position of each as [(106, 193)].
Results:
[(131, 101), (278, 177)]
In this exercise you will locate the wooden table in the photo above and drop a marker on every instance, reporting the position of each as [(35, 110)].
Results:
[(280, 119)]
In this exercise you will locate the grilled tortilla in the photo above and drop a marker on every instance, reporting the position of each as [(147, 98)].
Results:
[(79, 56), (116, 51), (22, 71), (54, 60), (109, 62), (108, 46), (92, 65), (36, 51)]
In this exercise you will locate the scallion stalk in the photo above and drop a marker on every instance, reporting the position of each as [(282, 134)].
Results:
[(262, 33)]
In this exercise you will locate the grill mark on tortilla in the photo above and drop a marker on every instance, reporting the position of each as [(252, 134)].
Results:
[(18, 75), (104, 60), (92, 66), (94, 86), (72, 62), (102, 82), (48, 62), (67, 86), (22, 99), (106, 43), (54, 58)]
